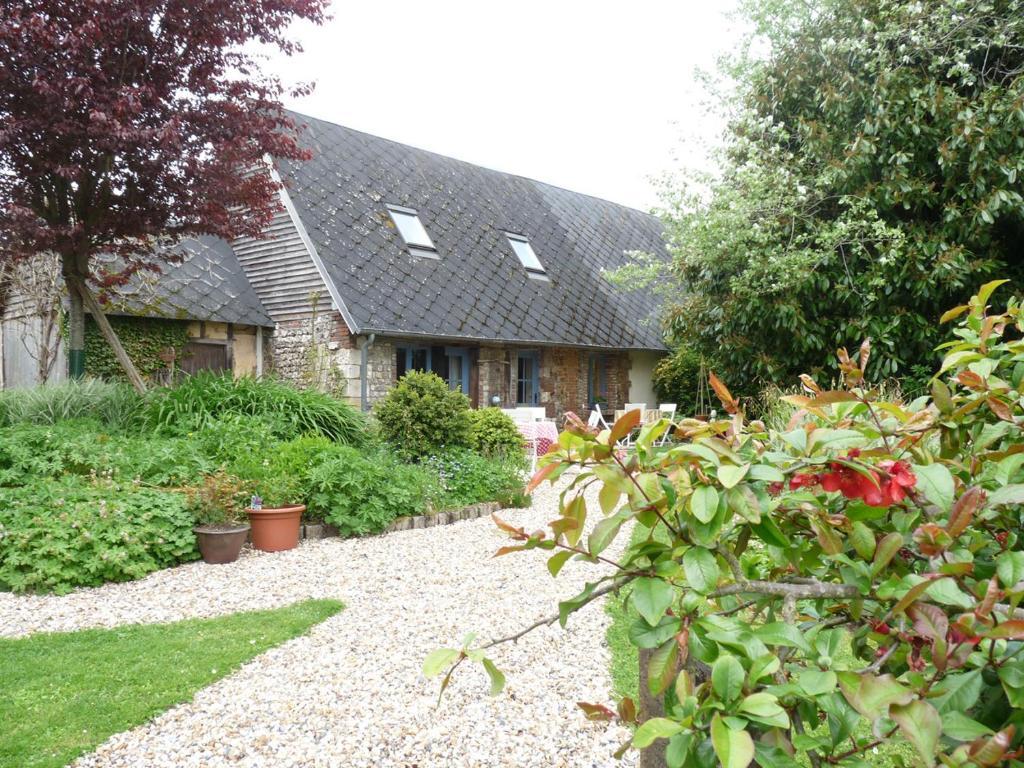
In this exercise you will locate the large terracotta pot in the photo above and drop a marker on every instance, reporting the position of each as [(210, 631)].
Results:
[(220, 544), (276, 528)]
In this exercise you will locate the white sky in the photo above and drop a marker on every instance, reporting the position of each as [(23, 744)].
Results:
[(595, 96)]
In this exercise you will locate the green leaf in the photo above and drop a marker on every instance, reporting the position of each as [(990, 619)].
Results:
[(1010, 568), (603, 534), (957, 692), (651, 598), (863, 540), (735, 749), (1009, 494), (769, 756), (662, 667), (957, 725), (608, 497), (887, 548), (729, 474), (781, 633), (920, 725), (557, 560), (704, 503), (497, 678), (936, 483), (701, 569), (437, 661), (767, 473), (872, 695), (654, 729), (765, 709), (727, 675), (769, 532), (815, 682), (643, 635)]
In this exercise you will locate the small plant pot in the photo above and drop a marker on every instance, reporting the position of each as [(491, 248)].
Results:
[(219, 544), (275, 529)]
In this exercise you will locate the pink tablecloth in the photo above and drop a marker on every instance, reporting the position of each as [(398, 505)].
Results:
[(544, 432)]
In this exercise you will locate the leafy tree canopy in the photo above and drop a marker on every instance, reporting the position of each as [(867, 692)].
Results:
[(871, 174)]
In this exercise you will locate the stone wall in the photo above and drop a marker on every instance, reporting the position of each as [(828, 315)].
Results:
[(316, 351)]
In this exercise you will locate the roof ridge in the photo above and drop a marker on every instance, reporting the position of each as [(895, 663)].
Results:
[(475, 165)]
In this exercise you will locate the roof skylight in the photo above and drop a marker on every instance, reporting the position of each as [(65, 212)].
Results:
[(527, 256), (412, 231)]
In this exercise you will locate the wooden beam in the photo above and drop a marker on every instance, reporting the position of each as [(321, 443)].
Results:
[(91, 304)]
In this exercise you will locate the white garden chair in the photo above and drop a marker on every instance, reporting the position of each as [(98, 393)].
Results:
[(596, 420), (666, 411)]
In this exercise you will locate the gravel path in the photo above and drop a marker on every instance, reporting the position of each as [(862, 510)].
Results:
[(350, 693)]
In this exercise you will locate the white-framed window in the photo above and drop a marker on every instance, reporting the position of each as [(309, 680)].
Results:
[(527, 256), (407, 222)]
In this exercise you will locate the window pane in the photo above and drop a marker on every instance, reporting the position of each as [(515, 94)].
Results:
[(419, 360), (526, 255), (400, 353), (455, 372), (411, 229)]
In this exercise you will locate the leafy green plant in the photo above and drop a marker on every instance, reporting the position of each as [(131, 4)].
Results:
[(57, 535), (361, 493), (493, 433), (421, 416), (115, 406), (218, 499), (467, 477), (145, 339), (888, 528), (678, 378), (288, 411)]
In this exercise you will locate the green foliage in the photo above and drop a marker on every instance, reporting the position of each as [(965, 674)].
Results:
[(217, 499), (493, 433), (116, 406), (288, 411), (57, 535), (421, 416), (885, 528), (144, 339), (65, 693), (871, 175), (679, 379), (281, 473), (361, 493), (467, 477)]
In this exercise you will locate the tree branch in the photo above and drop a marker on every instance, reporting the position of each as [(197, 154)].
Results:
[(811, 591)]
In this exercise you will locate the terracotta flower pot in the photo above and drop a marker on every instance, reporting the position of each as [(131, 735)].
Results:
[(275, 529), (220, 544)]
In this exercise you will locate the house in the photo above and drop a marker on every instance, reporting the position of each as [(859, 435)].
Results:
[(387, 258)]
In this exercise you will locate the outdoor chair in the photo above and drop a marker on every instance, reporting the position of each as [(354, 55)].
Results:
[(642, 407), (596, 420), (667, 411)]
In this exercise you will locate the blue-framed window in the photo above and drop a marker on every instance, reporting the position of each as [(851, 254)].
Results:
[(597, 378), (450, 363), (528, 378)]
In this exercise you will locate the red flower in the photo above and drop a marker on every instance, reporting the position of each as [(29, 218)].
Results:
[(805, 480), (899, 472)]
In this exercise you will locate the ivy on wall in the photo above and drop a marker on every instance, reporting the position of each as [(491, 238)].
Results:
[(143, 338)]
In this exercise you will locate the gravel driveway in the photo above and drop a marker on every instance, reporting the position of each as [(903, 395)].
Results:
[(350, 693)]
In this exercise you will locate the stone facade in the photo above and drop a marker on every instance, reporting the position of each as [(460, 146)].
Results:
[(319, 350)]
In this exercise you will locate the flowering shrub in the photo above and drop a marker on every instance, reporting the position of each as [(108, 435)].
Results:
[(891, 529), (467, 478), (56, 535)]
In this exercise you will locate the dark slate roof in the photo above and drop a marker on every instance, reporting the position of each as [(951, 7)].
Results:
[(477, 289), (208, 284)]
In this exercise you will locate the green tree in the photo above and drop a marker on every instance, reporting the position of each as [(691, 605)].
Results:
[(870, 176)]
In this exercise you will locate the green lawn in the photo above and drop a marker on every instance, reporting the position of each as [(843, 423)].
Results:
[(63, 694)]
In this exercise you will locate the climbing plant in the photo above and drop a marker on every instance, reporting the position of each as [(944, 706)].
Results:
[(144, 339), (815, 592)]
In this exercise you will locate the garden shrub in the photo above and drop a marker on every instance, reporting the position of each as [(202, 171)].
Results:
[(281, 474), (467, 478), (361, 493), (814, 593), (288, 411), (115, 406), (57, 535), (677, 379), (493, 433), (421, 416)]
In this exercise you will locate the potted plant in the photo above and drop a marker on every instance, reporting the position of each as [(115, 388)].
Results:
[(220, 528), (274, 516)]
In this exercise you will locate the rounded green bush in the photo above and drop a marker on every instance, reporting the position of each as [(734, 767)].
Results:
[(494, 433), (421, 416)]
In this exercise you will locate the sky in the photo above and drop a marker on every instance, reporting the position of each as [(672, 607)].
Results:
[(599, 97)]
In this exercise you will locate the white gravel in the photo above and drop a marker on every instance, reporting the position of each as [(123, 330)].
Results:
[(350, 693)]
